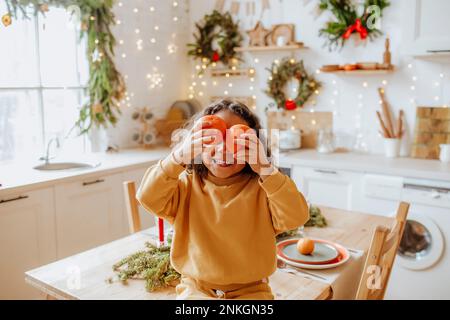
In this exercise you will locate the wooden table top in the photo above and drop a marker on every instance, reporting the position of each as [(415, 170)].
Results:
[(84, 276)]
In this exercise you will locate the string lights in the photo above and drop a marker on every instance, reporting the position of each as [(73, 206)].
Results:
[(153, 77)]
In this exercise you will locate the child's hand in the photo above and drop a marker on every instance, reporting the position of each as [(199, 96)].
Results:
[(254, 154), (195, 141)]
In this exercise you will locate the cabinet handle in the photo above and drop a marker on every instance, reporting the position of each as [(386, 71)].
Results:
[(13, 199), (93, 182), (325, 171), (437, 51)]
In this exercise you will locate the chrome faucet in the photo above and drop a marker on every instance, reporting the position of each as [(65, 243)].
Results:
[(47, 158)]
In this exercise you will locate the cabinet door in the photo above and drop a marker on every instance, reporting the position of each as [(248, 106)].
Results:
[(327, 187), (136, 175), (426, 27), (89, 212), (27, 240)]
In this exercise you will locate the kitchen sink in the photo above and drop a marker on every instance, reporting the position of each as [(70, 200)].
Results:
[(64, 166)]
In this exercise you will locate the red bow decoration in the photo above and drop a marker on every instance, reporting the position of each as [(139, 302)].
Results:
[(290, 105), (215, 57), (358, 27)]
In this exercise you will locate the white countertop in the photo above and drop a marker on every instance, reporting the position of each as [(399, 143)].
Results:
[(22, 175), (370, 163)]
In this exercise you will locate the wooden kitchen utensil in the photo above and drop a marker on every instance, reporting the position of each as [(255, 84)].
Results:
[(386, 121)]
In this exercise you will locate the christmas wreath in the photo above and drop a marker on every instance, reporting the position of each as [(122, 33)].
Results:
[(216, 38), (349, 20), (281, 73), (106, 87)]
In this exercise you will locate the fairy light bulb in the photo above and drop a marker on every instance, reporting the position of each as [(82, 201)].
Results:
[(156, 28), (124, 55), (365, 84), (118, 22), (120, 41), (225, 92), (175, 4), (120, 4), (175, 19), (256, 60), (137, 31), (135, 10), (230, 85), (158, 58), (152, 9), (153, 40)]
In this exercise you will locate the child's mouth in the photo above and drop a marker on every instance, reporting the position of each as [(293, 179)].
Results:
[(221, 163)]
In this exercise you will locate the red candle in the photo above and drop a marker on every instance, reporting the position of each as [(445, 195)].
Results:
[(161, 230)]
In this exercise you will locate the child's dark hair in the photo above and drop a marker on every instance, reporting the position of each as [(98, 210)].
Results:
[(238, 109)]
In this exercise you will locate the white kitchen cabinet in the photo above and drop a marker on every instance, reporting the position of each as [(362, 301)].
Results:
[(328, 187), (27, 239), (90, 212), (136, 175), (425, 28)]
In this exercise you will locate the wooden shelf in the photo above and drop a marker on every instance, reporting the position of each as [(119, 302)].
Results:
[(271, 48), (360, 72), (243, 72)]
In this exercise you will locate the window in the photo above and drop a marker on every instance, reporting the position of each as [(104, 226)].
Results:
[(43, 73)]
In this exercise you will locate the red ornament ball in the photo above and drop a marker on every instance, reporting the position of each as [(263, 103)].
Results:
[(290, 105), (215, 57)]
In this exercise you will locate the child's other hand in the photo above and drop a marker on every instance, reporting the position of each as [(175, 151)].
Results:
[(195, 141), (254, 154)]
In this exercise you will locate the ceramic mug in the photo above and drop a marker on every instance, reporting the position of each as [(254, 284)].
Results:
[(444, 155), (391, 147)]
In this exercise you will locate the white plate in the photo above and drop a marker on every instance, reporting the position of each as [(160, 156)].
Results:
[(318, 266)]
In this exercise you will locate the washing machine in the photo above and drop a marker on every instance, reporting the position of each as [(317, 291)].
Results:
[(422, 266)]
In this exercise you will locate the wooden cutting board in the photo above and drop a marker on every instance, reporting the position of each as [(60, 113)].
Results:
[(432, 128), (308, 122)]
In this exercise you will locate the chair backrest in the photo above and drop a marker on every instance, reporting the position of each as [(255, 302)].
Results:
[(381, 256), (132, 206)]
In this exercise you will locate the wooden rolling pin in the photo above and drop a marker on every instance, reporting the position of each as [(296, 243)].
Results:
[(386, 113)]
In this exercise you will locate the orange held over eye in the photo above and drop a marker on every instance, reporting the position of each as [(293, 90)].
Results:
[(233, 133), (305, 246), (217, 123)]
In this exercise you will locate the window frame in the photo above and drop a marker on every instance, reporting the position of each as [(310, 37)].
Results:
[(40, 88)]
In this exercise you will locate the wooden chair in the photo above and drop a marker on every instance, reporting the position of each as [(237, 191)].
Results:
[(381, 256), (132, 206)]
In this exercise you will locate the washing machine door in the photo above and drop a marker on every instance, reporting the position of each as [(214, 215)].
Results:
[(422, 243)]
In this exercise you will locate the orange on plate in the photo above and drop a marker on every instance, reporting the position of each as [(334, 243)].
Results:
[(305, 246)]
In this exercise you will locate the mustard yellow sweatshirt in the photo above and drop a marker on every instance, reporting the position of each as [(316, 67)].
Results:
[(224, 229)]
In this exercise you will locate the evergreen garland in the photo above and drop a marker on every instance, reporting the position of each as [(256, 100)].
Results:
[(106, 87), (152, 265), (219, 27), (346, 15), (281, 73)]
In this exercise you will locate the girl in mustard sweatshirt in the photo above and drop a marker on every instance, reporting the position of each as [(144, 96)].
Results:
[(225, 214)]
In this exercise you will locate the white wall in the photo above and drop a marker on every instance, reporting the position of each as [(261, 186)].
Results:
[(138, 63), (353, 104)]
